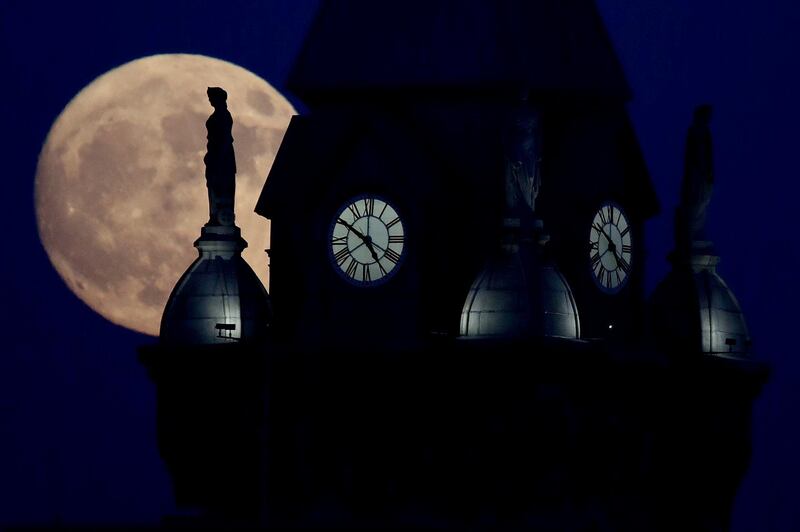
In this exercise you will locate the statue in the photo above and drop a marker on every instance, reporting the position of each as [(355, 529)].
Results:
[(220, 160), (522, 161), (698, 179)]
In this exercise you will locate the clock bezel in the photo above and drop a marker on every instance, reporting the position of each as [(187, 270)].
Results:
[(329, 238), (624, 283)]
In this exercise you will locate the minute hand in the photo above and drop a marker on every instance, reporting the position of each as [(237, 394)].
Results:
[(366, 240), (599, 228), (353, 229)]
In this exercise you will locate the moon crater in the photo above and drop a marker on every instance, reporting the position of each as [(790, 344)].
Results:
[(260, 102)]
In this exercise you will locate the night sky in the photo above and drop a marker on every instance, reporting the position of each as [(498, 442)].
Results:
[(77, 427)]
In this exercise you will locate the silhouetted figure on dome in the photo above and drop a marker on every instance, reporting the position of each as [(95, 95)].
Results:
[(698, 178), (220, 160), (522, 161)]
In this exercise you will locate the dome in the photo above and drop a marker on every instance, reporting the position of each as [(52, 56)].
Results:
[(219, 299), (693, 308), (519, 294)]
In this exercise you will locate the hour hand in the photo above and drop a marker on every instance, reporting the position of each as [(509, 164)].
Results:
[(372, 250), (368, 241)]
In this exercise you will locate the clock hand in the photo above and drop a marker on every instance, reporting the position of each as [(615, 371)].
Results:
[(353, 229), (600, 229), (621, 262), (366, 239), (368, 242), (371, 250), (612, 247)]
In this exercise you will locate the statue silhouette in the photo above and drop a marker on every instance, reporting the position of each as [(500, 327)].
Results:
[(698, 177), (522, 162), (220, 160)]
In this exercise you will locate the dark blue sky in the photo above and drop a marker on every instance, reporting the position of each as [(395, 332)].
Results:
[(77, 410)]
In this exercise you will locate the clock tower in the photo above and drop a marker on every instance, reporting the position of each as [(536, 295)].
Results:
[(456, 308)]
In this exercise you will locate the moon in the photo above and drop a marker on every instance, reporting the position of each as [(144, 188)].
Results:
[(120, 187)]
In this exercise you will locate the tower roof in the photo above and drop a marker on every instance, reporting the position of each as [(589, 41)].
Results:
[(466, 45)]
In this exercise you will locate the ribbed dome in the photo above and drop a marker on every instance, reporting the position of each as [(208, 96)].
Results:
[(519, 294), (219, 299), (693, 309)]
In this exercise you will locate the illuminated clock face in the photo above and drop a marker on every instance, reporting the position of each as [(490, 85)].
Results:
[(610, 248), (366, 241)]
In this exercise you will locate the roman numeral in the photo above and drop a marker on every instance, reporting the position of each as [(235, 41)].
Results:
[(595, 259), (594, 246), (393, 222), (624, 265), (610, 210), (603, 216), (625, 231), (353, 208), (383, 210), (341, 255), (339, 241), (351, 268), (383, 270), (396, 239), (365, 275), (608, 278), (369, 206), (392, 255), (626, 248)]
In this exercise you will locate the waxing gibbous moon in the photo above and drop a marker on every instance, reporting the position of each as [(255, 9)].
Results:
[(120, 185)]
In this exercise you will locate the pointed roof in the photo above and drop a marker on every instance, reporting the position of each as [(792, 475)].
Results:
[(466, 45)]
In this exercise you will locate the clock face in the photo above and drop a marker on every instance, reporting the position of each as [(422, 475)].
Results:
[(610, 248), (366, 241)]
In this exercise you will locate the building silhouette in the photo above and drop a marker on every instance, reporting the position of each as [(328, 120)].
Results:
[(456, 333)]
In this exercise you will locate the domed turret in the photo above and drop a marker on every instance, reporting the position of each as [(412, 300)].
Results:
[(219, 299), (692, 309), (520, 294)]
